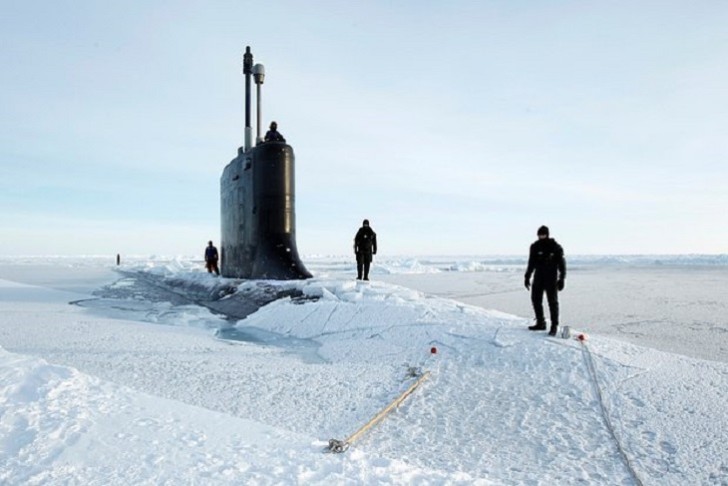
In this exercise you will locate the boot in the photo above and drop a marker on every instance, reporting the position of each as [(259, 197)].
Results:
[(554, 329), (539, 326)]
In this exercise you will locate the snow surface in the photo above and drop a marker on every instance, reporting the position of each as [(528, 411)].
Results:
[(95, 393)]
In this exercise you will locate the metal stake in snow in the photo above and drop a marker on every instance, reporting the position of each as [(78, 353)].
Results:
[(342, 445)]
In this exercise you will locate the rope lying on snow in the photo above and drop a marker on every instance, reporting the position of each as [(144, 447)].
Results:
[(605, 415), (342, 445)]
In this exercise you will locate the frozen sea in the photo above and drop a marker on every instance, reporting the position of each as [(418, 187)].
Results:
[(676, 303), (155, 372)]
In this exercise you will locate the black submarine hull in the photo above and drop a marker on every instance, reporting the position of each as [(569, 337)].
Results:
[(258, 221)]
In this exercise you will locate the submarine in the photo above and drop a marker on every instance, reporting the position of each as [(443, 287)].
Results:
[(257, 202)]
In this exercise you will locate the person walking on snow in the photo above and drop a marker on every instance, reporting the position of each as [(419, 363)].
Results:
[(365, 245), (546, 262), (211, 259)]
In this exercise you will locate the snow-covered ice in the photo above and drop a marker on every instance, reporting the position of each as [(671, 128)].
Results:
[(140, 382)]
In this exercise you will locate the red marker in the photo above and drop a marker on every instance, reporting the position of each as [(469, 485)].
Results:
[(433, 350)]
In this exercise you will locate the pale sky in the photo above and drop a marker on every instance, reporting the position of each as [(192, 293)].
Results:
[(455, 127)]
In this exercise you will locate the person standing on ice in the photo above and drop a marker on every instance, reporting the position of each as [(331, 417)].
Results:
[(365, 245), (211, 258), (546, 262)]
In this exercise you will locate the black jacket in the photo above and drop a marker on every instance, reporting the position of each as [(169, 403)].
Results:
[(546, 259), (274, 136), (365, 241), (211, 254)]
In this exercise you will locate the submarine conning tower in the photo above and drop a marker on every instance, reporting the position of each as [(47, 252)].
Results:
[(257, 204)]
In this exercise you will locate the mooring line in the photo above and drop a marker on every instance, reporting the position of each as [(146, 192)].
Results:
[(605, 415)]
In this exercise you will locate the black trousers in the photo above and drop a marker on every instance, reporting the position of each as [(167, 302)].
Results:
[(212, 267), (363, 262), (552, 295)]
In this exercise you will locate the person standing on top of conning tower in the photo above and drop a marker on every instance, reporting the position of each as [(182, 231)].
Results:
[(273, 135)]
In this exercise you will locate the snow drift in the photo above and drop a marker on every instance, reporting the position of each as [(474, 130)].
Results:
[(99, 395)]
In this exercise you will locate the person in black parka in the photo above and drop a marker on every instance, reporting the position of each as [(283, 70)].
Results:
[(273, 135), (365, 245), (211, 258), (546, 261)]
